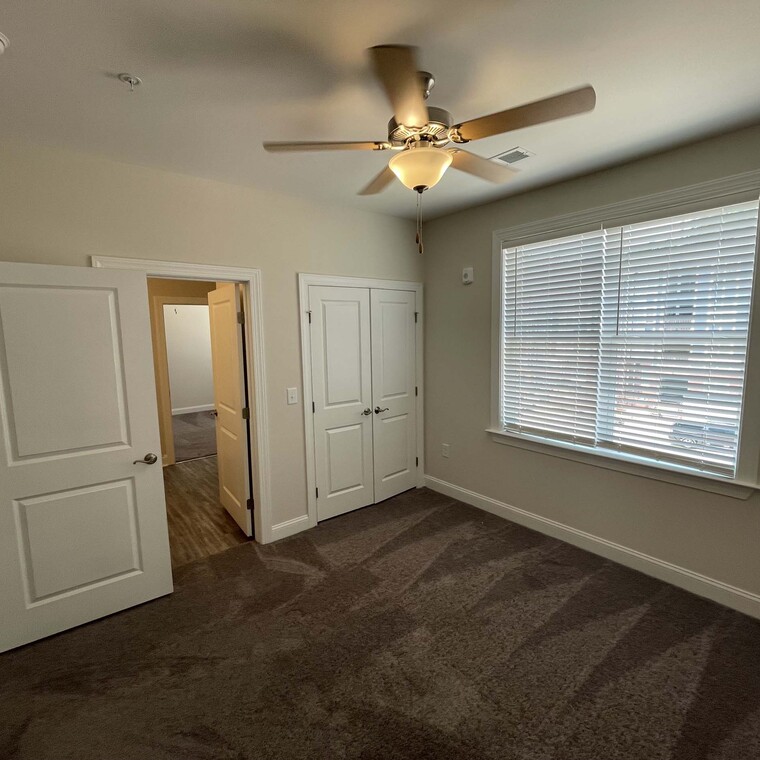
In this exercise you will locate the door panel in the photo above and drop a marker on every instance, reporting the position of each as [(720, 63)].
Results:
[(82, 528), (102, 516), (88, 395), (342, 390), (228, 366), (345, 458), (393, 386)]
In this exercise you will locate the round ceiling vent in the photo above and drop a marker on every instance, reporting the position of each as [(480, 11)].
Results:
[(4, 42)]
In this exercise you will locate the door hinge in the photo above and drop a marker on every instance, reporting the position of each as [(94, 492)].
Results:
[(416, 314), (249, 504), (309, 313), (317, 490), (415, 391), (313, 408), (246, 413), (416, 461), (241, 318)]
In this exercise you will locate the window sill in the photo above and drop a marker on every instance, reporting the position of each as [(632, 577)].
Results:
[(626, 463)]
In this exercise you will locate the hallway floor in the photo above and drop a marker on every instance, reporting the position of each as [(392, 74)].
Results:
[(199, 525)]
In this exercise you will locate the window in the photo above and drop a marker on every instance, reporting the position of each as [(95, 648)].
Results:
[(632, 340)]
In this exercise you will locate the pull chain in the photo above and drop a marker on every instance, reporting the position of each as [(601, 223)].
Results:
[(420, 246)]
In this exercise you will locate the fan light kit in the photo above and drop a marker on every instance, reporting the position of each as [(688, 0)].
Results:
[(421, 134), (421, 167), (4, 43)]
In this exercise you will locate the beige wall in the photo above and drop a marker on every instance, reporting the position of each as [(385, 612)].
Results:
[(713, 535), (59, 207)]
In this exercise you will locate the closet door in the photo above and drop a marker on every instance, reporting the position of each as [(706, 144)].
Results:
[(393, 387), (342, 392)]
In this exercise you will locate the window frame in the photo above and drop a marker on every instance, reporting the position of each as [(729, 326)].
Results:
[(726, 191)]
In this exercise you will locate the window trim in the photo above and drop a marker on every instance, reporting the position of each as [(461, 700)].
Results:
[(734, 189)]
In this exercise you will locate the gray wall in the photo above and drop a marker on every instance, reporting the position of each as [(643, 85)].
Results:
[(713, 535)]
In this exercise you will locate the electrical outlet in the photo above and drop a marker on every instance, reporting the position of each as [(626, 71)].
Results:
[(445, 450), (292, 395)]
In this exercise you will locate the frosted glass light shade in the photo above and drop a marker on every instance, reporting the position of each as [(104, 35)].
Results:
[(420, 166)]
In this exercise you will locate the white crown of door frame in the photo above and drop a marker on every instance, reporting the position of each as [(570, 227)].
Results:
[(258, 422), (304, 282)]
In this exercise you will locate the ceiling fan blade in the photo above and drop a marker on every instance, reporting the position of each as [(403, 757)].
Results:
[(481, 167), (538, 112), (396, 68), (379, 183), (284, 147)]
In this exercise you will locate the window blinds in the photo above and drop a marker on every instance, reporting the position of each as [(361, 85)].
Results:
[(633, 338)]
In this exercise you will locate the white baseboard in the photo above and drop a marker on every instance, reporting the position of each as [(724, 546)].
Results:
[(289, 528), (710, 588), (191, 409)]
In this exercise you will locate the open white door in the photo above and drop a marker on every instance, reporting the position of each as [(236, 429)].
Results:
[(228, 365), (82, 526), (393, 391), (342, 389)]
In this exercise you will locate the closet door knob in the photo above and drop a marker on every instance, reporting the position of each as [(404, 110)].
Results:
[(367, 412), (378, 410)]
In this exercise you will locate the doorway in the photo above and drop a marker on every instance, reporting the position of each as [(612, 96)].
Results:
[(187, 333), (257, 422), (201, 393), (84, 524)]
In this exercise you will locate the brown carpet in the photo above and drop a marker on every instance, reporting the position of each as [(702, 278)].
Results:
[(194, 435), (418, 628)]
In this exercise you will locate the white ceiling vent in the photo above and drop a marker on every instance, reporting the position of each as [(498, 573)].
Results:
[(514, 155)]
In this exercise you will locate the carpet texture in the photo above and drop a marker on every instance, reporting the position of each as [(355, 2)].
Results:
[(418, 628), (194, 435)]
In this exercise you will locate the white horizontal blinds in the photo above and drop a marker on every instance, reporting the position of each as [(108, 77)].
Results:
[(674, 336), (550, 354), (633, 338)]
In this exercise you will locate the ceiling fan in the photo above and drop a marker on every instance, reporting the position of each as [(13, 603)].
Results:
[(420, 133)]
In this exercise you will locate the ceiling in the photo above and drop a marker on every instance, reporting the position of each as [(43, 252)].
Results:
[(221, 76)]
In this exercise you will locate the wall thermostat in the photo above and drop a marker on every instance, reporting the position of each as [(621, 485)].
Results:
[(468, 275)]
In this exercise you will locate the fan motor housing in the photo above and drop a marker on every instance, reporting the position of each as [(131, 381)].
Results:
[(436, 130)]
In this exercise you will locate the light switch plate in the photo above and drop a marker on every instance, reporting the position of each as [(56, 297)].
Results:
[(292, 396)]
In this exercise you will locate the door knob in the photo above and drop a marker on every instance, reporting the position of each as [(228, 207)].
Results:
[(378, 410), (367, 412), (147, 459)]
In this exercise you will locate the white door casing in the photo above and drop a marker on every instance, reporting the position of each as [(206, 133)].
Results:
[(230, 401), (393, 391), (342, 395), (83, 528)]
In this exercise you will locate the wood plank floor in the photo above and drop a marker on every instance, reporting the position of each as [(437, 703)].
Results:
[(198, 524)]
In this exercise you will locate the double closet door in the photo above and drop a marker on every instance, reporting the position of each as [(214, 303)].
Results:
[(363, 361)]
